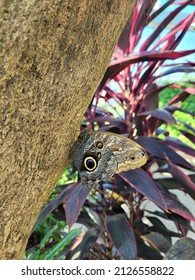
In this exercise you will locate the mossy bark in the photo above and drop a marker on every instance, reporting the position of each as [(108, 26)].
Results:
[(53, 54)]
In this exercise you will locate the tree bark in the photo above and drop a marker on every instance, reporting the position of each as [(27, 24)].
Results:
[(53, 54)]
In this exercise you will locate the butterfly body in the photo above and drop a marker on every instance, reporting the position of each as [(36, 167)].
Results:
[(99, 155)]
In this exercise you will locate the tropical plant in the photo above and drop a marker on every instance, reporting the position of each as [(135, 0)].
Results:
[(116, 218)]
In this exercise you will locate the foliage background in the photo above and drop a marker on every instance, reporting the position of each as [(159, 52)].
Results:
[(113, 222)]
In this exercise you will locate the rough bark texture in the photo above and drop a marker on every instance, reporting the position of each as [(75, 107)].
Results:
[(52, 56)]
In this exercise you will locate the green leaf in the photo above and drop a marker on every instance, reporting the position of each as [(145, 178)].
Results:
[(47, 237), (34, 255), (61, 245)]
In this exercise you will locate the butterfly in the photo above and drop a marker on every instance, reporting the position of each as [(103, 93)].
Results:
[(99, 155)]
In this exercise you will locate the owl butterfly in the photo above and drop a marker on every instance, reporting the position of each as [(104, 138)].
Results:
[(99, 155)]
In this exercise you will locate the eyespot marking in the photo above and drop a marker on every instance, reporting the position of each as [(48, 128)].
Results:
[(99, 155), (99, 145), (90, 163)]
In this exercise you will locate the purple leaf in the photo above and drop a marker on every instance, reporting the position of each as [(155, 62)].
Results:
[(190, 136), (74, 202), (142, 182), (172, 38), (110, 94), (122, 236), (179, 145), (115, 122), (172, 109), (184, 26), (147, 73), (160, 10), (142, 19), (181, 96), (175, 206), (188, 126), (158, 241), (118, 65), (160, 227), (176, 70), (54, 203), (159, 149), (159, 114), (182, 178), (85, 241), (183, 249), (145, 251), (162, 131), (162, 26), (182, 224)]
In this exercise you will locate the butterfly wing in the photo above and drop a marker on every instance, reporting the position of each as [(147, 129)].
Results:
[(93, 159), (99, 155), (128, 154)]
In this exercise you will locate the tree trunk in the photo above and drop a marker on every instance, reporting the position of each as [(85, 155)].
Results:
[(53, 54)]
